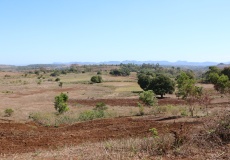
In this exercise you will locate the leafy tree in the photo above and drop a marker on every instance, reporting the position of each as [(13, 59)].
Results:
[(159, 84), (226, 71), (162, 85), (189, 92), (213, 77), (120, 72), (212, 74), (96, 79), (185, 84), (60, 103), (144, 81), (222, 84)]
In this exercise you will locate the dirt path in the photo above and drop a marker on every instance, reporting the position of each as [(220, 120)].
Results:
[(19, 138)]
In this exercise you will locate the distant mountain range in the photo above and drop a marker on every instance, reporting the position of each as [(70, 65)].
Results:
[(163, 63)]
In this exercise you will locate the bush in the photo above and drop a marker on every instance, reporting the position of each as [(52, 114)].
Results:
[(60, 84), (8, 112), (60, 103), (148, 97), (90, 115), (96, 79), (119, 72), (97, 112), (141, 109), (57, 79), (222, 129), (100, 106)]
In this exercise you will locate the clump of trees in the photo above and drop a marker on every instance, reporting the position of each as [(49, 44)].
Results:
[(120, 72), (96, 79), (220, 78), (160, 84)]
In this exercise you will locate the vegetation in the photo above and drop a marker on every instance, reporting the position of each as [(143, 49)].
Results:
[(96, 79), (60, 103), (8, 112), (148, 97), (220, 78), (97, 112), (159, 84), (120, 72)]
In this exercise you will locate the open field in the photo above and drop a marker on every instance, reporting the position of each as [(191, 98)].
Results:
[(42, 137)]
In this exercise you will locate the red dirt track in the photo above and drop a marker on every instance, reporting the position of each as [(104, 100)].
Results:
[(19, 138)]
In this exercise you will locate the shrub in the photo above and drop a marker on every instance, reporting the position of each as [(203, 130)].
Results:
[(8, 112), (57, 79), (97, 112), (141, 109), (60, 84), (60, 103), (148, 97), (90, 115), (119, 72), (96, 79), (222, 129), (100, 106)]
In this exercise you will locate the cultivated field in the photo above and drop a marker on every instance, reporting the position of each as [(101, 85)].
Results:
[(36, 131)]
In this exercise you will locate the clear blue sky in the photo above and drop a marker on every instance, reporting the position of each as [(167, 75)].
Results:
[(47, 31)]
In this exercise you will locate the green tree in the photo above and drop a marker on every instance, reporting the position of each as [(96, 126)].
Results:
[(159, 84), (226, 71), (162, 85), (60, 103), (185, 85), (144, 81), (222, 85), (212, 74), (189, 92)]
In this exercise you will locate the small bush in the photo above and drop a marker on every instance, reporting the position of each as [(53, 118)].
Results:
[(222, 129), (9, 112), (90, 115), (100, 106), (96, 79), (141, 109), (57, 79), (148, 97), (60, 103), (60, 84), (97, 112)]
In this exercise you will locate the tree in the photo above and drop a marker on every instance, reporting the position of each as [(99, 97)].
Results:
[(120, 72), (226, 71), (189, 92), (144, 81), (162, 85), (60, 103), (222, 84), (212, 74), (96, 79), (159, 84), (185, 84)]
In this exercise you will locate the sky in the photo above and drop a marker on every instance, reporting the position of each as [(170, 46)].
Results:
[(47, 31)]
